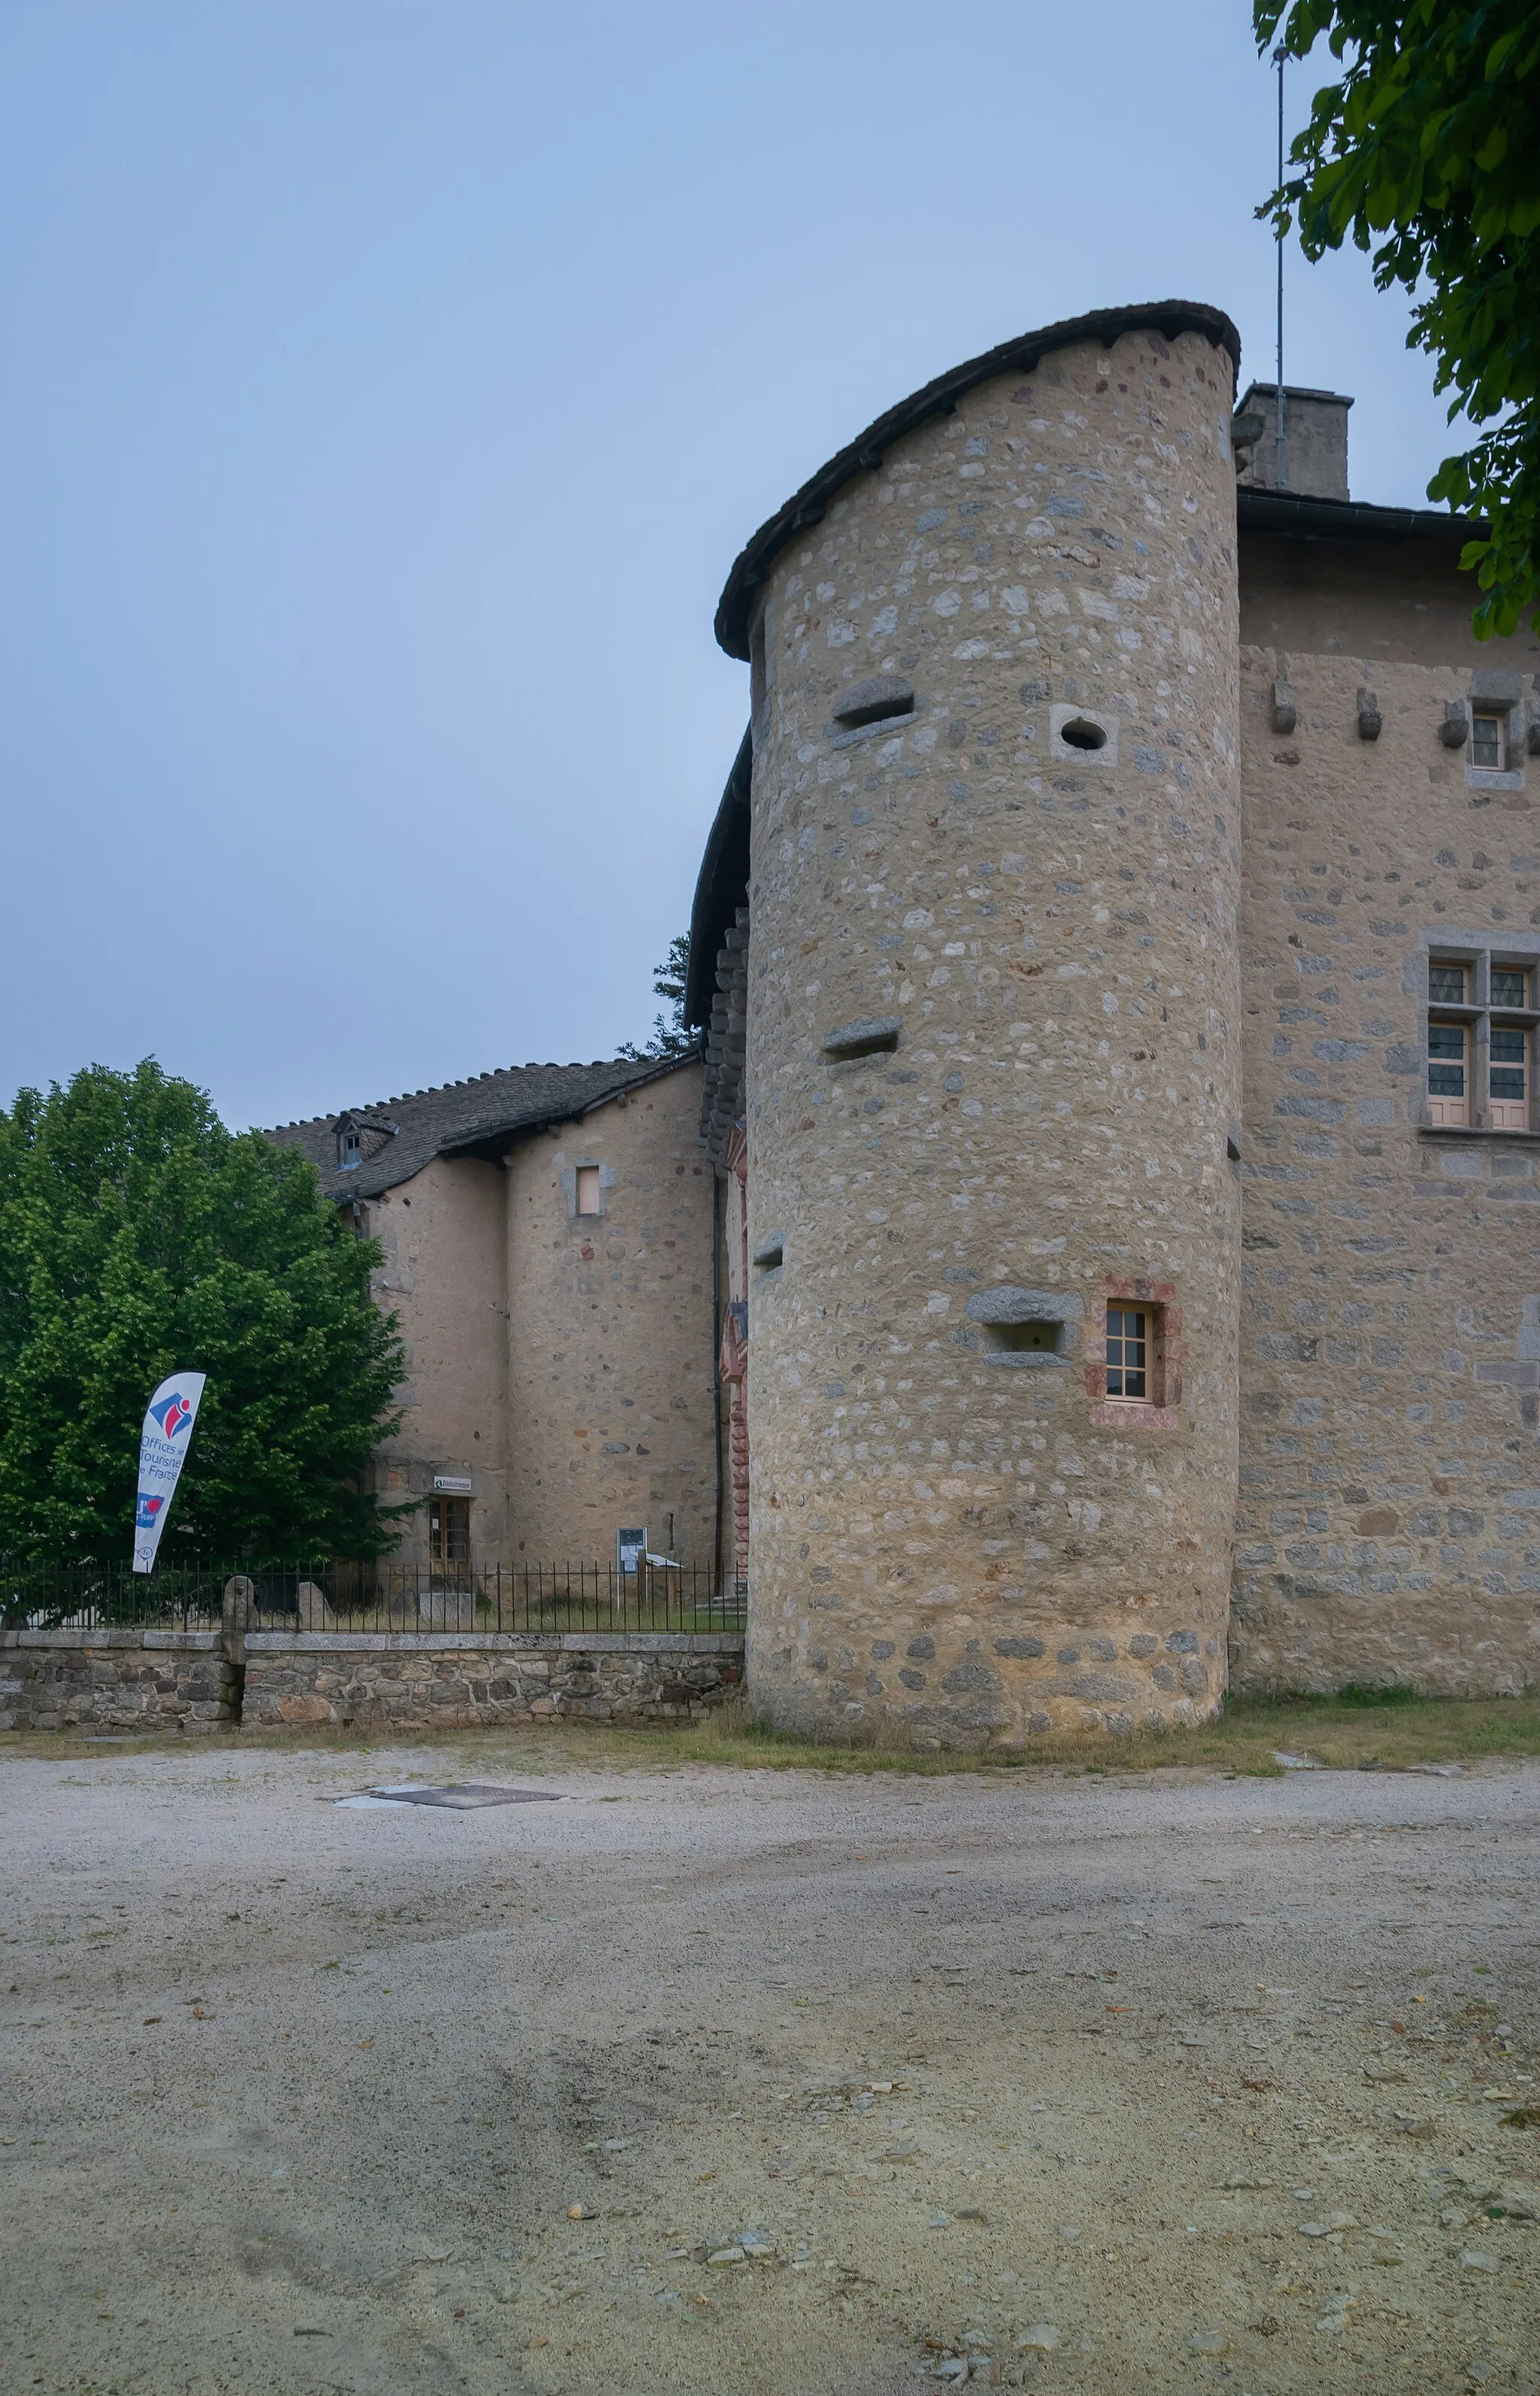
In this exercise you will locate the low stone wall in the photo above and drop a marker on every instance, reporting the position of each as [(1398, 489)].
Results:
[(200, 1681), (440, 1681), (115, 1680)]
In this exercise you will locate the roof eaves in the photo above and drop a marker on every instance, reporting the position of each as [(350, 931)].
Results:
[(1319, 519), (939, 397), (720, 886)]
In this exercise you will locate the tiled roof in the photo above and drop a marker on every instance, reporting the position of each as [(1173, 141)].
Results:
[(482, 1116)]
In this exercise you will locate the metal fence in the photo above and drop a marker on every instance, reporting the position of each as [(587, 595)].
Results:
[(188, 1594)]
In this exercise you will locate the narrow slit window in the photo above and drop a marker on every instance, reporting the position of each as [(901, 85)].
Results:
[(587, 1189), (1023, 1338), (1446, 985), (1448, 1098), (1489, 741), (875, 700), (1508, 1078), (1128, 1344)]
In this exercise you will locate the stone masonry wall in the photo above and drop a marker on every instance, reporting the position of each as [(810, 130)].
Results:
[(611, 1335), (114, 1680), (441, 1683), (1389, 1525), (946, 1547), (442, 1275)]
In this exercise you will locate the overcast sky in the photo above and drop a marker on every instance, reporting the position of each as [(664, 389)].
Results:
[(388, 390)]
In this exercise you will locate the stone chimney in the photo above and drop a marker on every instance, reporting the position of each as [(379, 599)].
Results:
[(1315, 441)]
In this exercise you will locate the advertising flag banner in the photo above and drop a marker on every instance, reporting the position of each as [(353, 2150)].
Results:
[(168, 1421)]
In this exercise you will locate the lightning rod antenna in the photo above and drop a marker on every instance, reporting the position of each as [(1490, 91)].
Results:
[(1279, 54)]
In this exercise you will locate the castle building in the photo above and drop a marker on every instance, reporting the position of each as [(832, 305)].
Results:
[(547, 1238), (1106, 1263), (1117, 949)]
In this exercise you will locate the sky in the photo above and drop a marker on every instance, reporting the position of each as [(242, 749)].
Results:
[(389, 391)]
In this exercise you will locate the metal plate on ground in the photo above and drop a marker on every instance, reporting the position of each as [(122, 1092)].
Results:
[(460, 1798)]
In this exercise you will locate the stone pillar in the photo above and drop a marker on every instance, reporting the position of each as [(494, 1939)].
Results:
[(993, 1067), (240, 1597)]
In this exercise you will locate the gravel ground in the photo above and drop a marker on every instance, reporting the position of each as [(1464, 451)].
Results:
[(1164, 2082)]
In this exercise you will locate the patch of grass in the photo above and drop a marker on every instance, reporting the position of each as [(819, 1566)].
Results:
[(1366, 1693), (1241, 1743)]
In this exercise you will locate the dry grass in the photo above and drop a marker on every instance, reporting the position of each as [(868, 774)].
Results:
[(1347, 1733)]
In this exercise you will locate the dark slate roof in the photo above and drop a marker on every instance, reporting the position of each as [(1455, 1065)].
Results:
[(481, 1117), (1311, 518), (1167, 317), (720, 887)]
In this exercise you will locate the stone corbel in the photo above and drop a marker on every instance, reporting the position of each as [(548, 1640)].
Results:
[(1370, 721), (1454, 729), (1285, 713)]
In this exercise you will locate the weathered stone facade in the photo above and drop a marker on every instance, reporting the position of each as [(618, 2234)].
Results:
[(560, 1364), (610, 1333), (442, 1683), (444, 1240), (1028, 842), (1389, 1504), (948, 1535)]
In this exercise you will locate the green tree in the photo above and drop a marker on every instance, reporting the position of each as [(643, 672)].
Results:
[(1428, 151), (669, 1036), (139, 1236)]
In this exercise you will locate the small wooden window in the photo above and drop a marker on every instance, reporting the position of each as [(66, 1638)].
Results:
[(449, 1537), (1509, 986), (1131, 1358), (1448, 1095), (1489, 741), (1446, 985), (587, 1189), (1507, 1108)]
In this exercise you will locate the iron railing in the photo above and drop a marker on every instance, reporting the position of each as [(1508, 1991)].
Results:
[(186, 1594)]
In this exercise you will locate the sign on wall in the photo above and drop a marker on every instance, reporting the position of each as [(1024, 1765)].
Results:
[(452, 1485), (168, 1421)]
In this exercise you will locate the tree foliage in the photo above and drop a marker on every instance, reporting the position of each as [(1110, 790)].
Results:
[(1428, 152), (669, 1037), (137, 1237)]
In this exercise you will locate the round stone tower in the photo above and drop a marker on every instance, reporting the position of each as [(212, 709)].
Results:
[(993, 1069)]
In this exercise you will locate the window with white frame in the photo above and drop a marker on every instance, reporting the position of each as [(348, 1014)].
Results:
[(1128, 1357), (1508, 1068), (1488, 740), (1136, 1353), (1481, 1022)]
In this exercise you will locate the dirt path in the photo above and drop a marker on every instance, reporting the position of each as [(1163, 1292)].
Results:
[(1184, 2082)]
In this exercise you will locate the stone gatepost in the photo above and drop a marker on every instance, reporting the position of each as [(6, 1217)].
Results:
[(240, 1598)]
